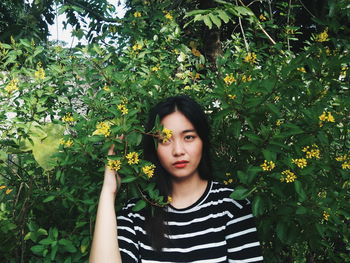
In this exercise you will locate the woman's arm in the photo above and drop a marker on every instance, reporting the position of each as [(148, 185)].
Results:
[(105, 248)]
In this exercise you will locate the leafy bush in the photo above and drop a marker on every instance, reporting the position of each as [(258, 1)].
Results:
[(280, 126)]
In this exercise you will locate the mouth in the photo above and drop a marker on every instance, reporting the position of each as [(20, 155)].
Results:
[(180, 164)]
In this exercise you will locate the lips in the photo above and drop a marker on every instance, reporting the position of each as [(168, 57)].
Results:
[(180, 164)]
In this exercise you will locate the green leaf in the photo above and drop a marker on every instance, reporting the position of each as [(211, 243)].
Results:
[(301, 210), (299, 189), (207, 21), (37, 249), (223, 15), (129, 179), (139, 205), (281, 230), (240, 193), (258, 206), (68, 245), (215, 20), (49, 198)]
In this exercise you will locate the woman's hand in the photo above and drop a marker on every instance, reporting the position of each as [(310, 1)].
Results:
[(112, 180)]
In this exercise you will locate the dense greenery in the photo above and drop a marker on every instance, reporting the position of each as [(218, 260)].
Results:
[(277, 100)]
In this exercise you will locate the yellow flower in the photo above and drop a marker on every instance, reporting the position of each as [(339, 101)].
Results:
[(342, 158), (262, 17), (133, 158), (325, 215), (166, 135), (322, 37), (137, 14), (346, 165), (170, 199), (155, 68), (137, 47), (67, 143), (229, 181), (302, 69), (149, 170), (8, 191), (250, 58), (268, 165), (289, 176), (187, 87), (68, 118), (114, 164), (168, 16), (312, 152), (326, 117), (196, 52), (102, 128), (246, 79), (122, 107), (106, 88), (2, 187), (39, 74), (231, 96), (195, 76), (12, 86), (229, 79), (279, 122), (301, 163)]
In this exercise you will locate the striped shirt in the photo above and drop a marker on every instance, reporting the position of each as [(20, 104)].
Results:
[(214, 229)]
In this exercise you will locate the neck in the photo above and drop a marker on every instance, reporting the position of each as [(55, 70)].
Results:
[(187, 191)]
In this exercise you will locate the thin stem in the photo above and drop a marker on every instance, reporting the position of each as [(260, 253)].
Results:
[(288, 19), (242, 30)]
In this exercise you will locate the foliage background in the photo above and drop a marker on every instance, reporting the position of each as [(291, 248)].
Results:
[(272, 79)]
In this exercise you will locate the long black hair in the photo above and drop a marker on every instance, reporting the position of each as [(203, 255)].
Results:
[(155, 226)]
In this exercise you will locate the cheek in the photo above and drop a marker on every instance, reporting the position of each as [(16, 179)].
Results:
[(161, 153)]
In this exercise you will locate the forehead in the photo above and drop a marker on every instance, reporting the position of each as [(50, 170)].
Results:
[(177, 122)]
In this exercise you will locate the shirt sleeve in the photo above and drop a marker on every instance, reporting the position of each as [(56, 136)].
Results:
[(127, 238), (241, 234)]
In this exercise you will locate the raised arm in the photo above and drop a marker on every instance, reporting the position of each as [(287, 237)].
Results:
[(105, 248)]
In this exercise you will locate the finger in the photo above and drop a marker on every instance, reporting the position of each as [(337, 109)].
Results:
[(111, 150)]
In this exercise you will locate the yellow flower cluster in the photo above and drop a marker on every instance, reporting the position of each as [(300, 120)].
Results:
[(343, 71), (137, 47), (114, 164), (312, 151), (67, 143), (39, 74), (133, 158), (246, 78), (196, 52), (326, 117), (137, 14), (149, 170), (168, 16), (166, 135), (250, 58), (325, 215), (302, 69), (8, 190), (12, 86), (155, 68), (322, 37), (288, 176), (262, 17), (169, 199), (102, 128), (346, 161), (68, 118), (229, 180), (229, 79), (232, 96), (268, 165), (301, 163), (122, 107)]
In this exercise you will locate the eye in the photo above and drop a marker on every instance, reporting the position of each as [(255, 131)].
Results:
[(189, 138)]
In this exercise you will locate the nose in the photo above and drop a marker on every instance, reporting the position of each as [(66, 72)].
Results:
[(178, 148)]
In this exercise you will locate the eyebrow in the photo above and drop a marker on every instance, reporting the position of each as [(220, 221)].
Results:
[(190, 130)]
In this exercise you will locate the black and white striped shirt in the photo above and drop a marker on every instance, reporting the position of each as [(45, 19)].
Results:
[(214, 229)]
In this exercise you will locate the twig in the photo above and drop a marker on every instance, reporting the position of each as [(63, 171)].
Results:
[(307, 10), (288, 17), (261, 28), (242, 30), (143, 196)]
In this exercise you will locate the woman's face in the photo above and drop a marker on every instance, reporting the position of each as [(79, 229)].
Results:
[(181, 155)]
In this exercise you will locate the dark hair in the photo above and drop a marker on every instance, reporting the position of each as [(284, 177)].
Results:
[(155, 226)]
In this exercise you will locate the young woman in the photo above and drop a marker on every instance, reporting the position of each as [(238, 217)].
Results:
[(202, 224)]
